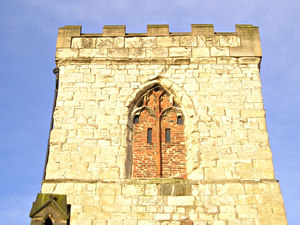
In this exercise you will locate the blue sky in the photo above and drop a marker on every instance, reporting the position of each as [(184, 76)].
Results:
[(28, 37)]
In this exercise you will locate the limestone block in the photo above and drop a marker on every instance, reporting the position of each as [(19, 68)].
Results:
[(154, 208), (167, 41), (53, 166), (257, 136), (232, 112), (181, 200), (177, 216), (82, 222), (133, 42), (192, 86), (219, 222), (188, 41), (247, 200), (244, 166), (226, 209), (200, 52), (229, 216), (123, 200), (259, 188), (148, 42), (109, 173), (104, 42), (130, 222), (234, 188), (171, 223), (231, 41), (201, 41), (133, 189), (203, 29), (150, 200), (108, 188), (206, 217), (156, 52), (162, 216), (246, 211), (88, 42), (66, 53), (216, 111), (93, 53), (179, 52), (157, 29), (117, 52), (224, 200), (278, 209), (169, 209), (103, 216), (146, 222), (87, 216), (137, 53), (219, 51), (151, 189), (137, 208), (48, 188), (119, 42), (85, 133), (211, 209), (76, 43), (265, 167), (115, 221), (253, 113), (107, 200), (58, 136), (277, 220), (141, 216)]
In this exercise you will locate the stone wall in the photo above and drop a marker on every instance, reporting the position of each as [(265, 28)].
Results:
[(213, 77)]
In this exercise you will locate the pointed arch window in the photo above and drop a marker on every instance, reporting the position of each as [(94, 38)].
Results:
[(48, 221), (158, 136)]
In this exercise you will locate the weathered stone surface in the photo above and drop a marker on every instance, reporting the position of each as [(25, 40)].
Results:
[(200, 52), (212, 77)]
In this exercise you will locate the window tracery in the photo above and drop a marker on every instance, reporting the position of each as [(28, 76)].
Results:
[(158, 136)]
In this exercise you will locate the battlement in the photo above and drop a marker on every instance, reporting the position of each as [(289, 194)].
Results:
[(158, 42)]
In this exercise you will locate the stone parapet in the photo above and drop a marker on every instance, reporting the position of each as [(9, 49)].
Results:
[(158, 42)]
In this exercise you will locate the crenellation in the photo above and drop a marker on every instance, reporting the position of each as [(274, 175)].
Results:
[(114, 30), (203, 41), (158, 30)]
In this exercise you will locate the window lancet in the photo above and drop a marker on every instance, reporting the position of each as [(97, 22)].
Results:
[(158, 136), (168, 135), (48, 221), (149, 135)]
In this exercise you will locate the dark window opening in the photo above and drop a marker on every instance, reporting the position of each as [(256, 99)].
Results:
[(179, 120), (149, 135), (136, 119), (168, 135), (69, 212), (141, 103), (156, 89), (48, 221)]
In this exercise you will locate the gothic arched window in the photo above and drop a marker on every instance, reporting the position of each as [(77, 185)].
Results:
[(158, 136)]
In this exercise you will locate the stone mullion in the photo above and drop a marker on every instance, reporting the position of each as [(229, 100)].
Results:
[(158, 136), (158, 143)]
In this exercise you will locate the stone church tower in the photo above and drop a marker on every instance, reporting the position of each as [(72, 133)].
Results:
[(158, 128)]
